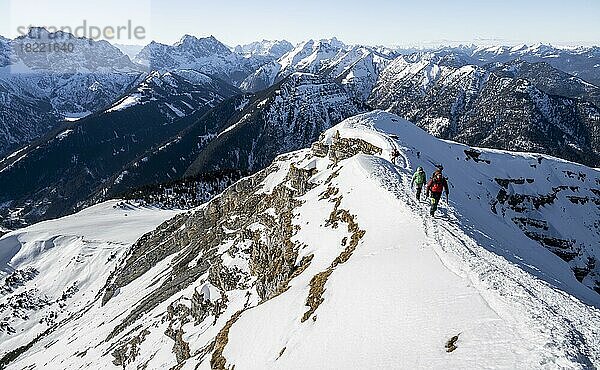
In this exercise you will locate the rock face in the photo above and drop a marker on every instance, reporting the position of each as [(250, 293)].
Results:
[(288, 116), (263, 245), (309, 57), (507, 107), (310, 244), (39, 89), (206, 55)]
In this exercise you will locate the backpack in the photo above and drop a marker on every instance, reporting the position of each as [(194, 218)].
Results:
[(437, 183)]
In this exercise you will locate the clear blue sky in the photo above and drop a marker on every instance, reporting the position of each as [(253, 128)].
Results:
[(352, 21)]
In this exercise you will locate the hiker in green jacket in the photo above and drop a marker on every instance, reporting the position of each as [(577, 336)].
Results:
[(419, 179)]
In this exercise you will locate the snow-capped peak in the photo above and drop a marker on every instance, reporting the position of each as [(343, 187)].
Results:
[(207, 55), (266, 48), (82, 56), (202, 47)]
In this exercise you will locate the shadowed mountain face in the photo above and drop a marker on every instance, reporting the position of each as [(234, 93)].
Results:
[(288, 116), (40, 89), (152, 135), (61, 171), (169, 161), (475, 95), (243, 133)]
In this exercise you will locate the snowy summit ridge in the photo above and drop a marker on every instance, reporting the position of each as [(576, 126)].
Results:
[(326, 259)]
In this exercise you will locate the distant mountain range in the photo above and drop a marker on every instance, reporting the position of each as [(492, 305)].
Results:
[(252, 206), (39, 90), (583, 62), (94, 124), (265, 48), (356, 67), (517, 105)]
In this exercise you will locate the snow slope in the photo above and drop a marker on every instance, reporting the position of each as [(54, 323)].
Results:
[(326, 260), (391, 306), (58, 266)]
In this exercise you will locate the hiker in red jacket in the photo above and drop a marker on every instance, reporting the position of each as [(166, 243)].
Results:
[(436, 185)]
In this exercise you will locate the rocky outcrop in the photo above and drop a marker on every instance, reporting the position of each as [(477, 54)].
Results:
[(317, 283), (344, 148), (516, 196), (17, 278), (231, 217), (128, 351), (254, 222)]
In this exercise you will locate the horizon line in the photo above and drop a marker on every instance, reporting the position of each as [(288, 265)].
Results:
[(421, 44)]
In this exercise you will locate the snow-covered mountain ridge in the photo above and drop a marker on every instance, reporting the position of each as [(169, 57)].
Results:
[(355, 67), (266, 48), (579, 61), (206, 55), (326, 259)]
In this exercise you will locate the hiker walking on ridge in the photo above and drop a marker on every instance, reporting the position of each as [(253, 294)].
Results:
[(395, 154), (419, 178), (436, 185)]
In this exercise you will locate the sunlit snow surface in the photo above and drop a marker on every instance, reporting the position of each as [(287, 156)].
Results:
[(79, 250), (127, 102)]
